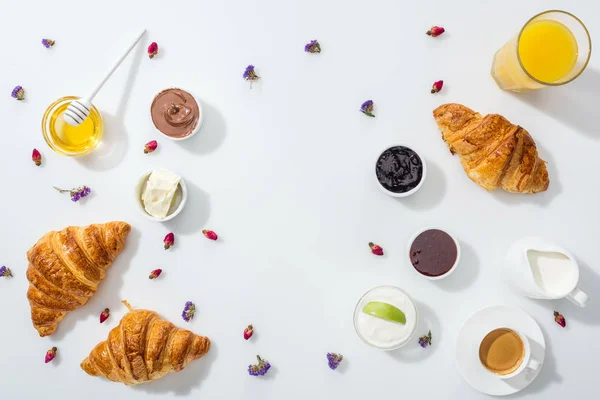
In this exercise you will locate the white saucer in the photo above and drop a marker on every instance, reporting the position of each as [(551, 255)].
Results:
[(469, 338)]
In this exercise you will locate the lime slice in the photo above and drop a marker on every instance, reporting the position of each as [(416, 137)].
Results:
[(385, 311)]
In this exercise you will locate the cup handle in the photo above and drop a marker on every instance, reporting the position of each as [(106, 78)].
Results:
[(533, 364), (578, 297)]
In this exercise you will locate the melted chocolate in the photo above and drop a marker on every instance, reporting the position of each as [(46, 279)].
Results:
[(433, 252), (399, 169)]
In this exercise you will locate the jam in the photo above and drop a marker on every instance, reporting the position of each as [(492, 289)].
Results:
[(399, 169), (433, 252)]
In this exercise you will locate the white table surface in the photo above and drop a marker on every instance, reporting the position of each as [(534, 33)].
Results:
[(284, 173)]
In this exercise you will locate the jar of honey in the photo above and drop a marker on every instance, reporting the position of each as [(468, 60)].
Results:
[(71, 140)]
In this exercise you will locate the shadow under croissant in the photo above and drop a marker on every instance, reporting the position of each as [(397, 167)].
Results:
[(182, 382), (105, 296)]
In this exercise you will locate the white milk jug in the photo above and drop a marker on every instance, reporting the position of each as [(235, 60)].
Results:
[(542, 270)]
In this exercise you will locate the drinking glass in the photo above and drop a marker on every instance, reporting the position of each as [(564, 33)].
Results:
[(508, 70)]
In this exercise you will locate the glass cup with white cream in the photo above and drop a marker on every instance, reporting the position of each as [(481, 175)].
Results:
[(385, 317)]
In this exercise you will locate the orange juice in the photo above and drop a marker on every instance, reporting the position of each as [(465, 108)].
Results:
[(551, 49), (548, 50)]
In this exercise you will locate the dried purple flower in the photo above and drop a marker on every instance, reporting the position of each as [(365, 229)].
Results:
[(334, 360), (425, 341), (250, 75), (367, 108), (188, 311), (259, 369), (5, 272), (18, 93), (312, 47), (48, 43), (77, 193)]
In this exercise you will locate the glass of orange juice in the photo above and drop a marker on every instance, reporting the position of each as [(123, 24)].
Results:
[(552, 48)]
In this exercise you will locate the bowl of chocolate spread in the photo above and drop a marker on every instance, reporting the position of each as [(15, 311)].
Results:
[(434, 253), (400, 171), (176, 114)]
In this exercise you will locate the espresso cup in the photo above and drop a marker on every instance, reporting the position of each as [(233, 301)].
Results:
[(505, 353)]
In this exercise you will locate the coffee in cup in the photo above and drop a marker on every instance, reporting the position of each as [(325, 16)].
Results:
[(505, 353)]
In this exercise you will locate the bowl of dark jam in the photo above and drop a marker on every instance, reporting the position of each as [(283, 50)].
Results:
[(434, 253), (400, 171)]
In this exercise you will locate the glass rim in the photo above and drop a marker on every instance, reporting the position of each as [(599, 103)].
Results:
[(584, 65)]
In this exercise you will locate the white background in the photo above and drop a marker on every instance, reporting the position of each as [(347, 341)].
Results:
[(284, 173)]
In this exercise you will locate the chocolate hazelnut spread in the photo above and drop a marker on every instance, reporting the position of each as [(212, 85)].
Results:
[(175, 113)]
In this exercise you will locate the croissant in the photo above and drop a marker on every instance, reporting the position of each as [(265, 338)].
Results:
[(66, 267), (493, 152), (143, 348)]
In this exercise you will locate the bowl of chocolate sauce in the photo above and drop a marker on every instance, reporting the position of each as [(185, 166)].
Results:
[(176, 113), (400, 171), (434, 253)]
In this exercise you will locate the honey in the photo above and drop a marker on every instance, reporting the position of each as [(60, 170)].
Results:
[(71, 140)]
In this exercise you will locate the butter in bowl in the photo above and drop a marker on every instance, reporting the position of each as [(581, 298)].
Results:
[(160, 194)]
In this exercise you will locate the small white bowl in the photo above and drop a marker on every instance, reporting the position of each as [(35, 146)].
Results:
[(413, 190), (179, 200), (451, 270), (198, 125)]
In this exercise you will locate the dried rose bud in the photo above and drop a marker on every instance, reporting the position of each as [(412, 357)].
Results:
[(248, 332), (50, 354), (155, 274), (560, 319), (169, 240), (210, 234), (104, 315), (152, 49), (36, 157), (437, 86), (376, 249), (435, 31), (150, 146)]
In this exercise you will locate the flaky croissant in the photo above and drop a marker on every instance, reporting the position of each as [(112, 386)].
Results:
[(66, 267), (143, 348), (493, 152)]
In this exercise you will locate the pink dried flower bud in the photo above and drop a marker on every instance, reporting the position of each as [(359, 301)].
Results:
[(169, 240), (104, 315), (150, 146), (155, 274), (36, 156), (437, 86), (248, 332), (560, 319), (435, 31), (210, 234), (376, 249), (50, 354), (152, 49)]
